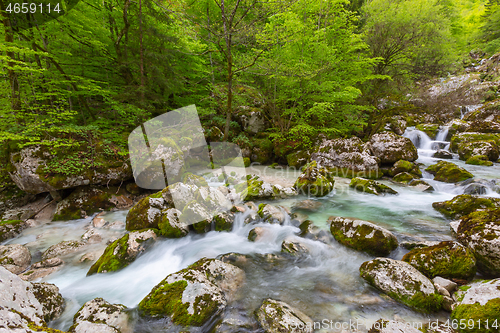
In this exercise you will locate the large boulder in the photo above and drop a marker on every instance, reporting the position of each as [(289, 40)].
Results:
[(480, 232), (314, 180), (390, 148), (51, 300), (347, 158), (446, 259), (298, 158), (87, 200), (170, 226), (11, 228), (464, 204), (448, 172), (279, 317), (467, 150), (20, 309), (485, 120), (195, 295), (100, 316), (363, 236), (123, 251), (405, 166), (462, 140), (478, 306), (402, 282), (15, 257), (370, 186), (33, 171)]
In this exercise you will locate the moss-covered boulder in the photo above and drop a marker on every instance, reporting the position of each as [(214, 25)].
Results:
[(198, 216), (446, 259), (97, 315), (257, 189), (51, 300), (122, 252), (262, 151), (464, 204), (271, 214), (192, 179), (405, 166), (363, 236), (478, 306), (195, 295), (486, 119), (404, 177), (315, 180), (402, 282), (11, 228), (347, 158), (370, 186), (421, 185), (170, 226), (489, 148), (86, 200), (448, 172), (224, 221), (463, 139), (479, 160), (279, 317), (480, 232), (15, 257), (147, 213), (390, 148), (430, 129), (298, 158), (43, 168)]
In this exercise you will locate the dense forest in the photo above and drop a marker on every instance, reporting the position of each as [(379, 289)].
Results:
[(310, 68)]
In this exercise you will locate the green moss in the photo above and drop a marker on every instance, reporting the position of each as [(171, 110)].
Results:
[(139, 216), (223, 222), (404, 177), (446, 259), (456, 140), (315, 181), (370, 186), (246, 162), (464, 204), (486, 317), (114, 257), (448, 172), (479, 160), (168, 230), (192, 179)]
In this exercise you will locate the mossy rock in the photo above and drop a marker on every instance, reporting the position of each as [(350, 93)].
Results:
[(405, 166), (123, 251), (464, 204), (256, 189), (469, 137), (224, 221), (480, 232), (370, 186), (363, 236), (446, 259), (192, 179), (247, 162), (489, 148), (430, 129), (11, 228), (479, 160), (298, 158), (170, 226), (404, 177), (479, 304), (390, 148), (421, 185), (262, 151), (448, 172), (277, 317), (315, 180), (402, 282)]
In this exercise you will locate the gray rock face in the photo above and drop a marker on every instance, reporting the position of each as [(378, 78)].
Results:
[(390, 148), (31, 159), (362, 235), (100, 316), (20, 310), (486, 148), (254, 122), (63, 248), (349, 155), (277, 317), (271, 214), (445, 283), (51, 300), (203, 289), (402, 282), (10, 229), (443, 154), (15, 257), (42, 269)]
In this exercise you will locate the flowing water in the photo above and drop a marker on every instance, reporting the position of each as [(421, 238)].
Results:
[(324, 284)]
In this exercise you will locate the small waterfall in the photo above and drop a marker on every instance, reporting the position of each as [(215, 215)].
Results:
[(465, 109), (419, 138), (443, 133), (425, 145)]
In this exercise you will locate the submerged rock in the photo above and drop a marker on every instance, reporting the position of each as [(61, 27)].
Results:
[(390, 148), (402, 282), (100, 316), (15, 257), (448, 172), (480, 232), (308, 204), (51, 300), (63, 248), (444, 154), (479, 303), (315, 180), (11, 228), (371, 186), (363, 236), (277, 317), (42, 269), (446, 259), (479, 160), (347, 158), (123, 251), (464, 204), (195, 295)]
